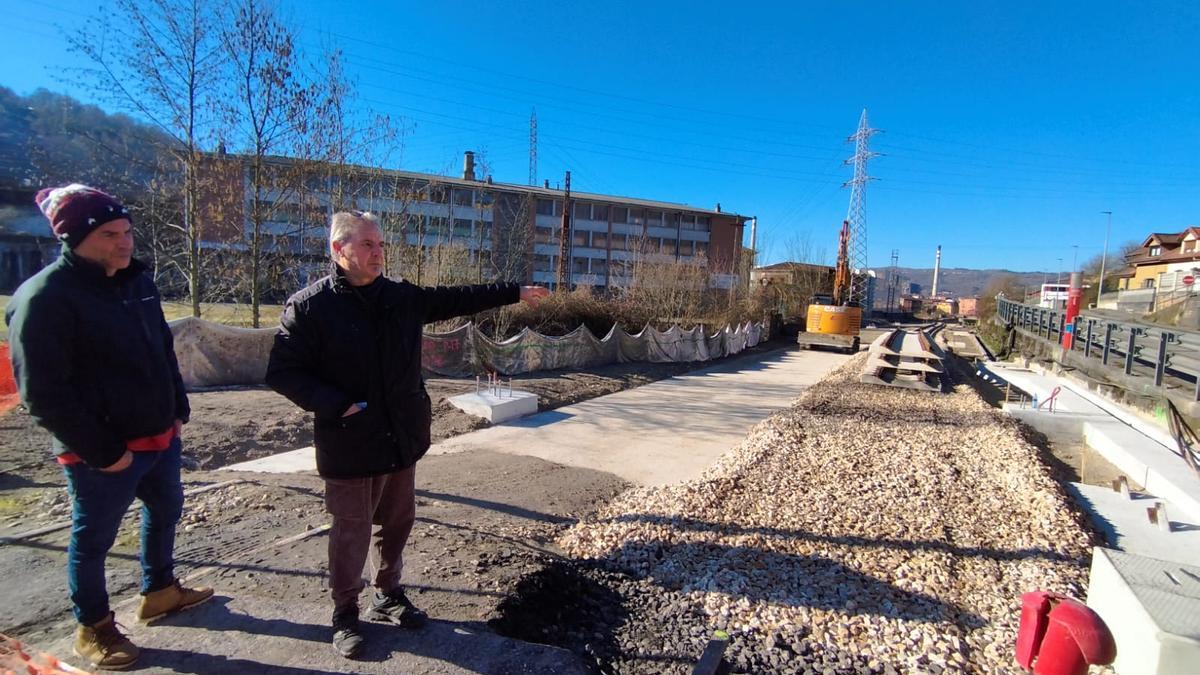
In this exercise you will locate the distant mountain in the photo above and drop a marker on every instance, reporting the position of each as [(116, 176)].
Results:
[(956, 282)]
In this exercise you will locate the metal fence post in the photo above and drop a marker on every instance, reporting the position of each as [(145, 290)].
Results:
[(1087, 346), (1107, 343), (1160, 364), (1133, 332)]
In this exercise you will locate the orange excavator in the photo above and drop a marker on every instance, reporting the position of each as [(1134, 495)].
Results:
[(834, 321)]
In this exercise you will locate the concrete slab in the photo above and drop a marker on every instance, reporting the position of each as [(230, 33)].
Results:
[(1161, 472), (663, 432), (659, 433), (1152, 608), (1126, 527), (259, 634), (508, 405), (1143, 451), (294, 461)]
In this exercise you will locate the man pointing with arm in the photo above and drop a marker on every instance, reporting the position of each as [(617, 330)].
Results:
[(349, 350)]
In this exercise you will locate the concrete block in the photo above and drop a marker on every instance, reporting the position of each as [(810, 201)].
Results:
[(496, 409), (1163, 473), (1152, 608), (293, 461)]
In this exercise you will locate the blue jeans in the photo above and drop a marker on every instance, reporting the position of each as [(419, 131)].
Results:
[(98, 503)]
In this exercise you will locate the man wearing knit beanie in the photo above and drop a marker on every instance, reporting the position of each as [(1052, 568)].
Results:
[(95, 365)]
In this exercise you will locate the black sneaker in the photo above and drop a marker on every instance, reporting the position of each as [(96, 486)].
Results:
[(347, 639), (395, 606)]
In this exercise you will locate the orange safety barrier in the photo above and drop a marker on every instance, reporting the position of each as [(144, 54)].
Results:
[(8, 385)]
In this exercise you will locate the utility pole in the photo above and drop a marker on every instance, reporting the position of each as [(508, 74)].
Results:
[(1104, 256), (856, 214), (1058, 279), (564, 237), (893, 280), (1075, 258), (533, 147)]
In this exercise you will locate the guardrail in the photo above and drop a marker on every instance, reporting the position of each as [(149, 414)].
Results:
[(1172, 353)]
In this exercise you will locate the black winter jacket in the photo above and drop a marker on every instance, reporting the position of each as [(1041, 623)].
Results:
[(94, 358), (339, 345)]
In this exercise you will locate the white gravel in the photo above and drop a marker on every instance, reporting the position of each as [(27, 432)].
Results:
[(898, 528)]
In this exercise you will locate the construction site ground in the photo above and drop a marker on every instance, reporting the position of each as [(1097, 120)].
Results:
[(533, 558), (485, 521)]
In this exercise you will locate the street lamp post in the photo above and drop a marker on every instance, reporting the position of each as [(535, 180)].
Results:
[(1104, 256), (1058, 279)]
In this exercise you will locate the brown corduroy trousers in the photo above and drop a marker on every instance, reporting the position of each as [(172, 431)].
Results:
[(387, 501)]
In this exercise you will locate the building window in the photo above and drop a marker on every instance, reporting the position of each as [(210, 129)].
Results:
[(600, 240), (701, 248), (654, 218), (583, 211), (617, 242), (600, 212), (1147, 283), (437, 194), (619, 214), (545, 207), (636, 217), (579, 238), (688, 222), (462, 197), (544, 235), (685, 247), (543, 263), (1155, 251), (704, 224)]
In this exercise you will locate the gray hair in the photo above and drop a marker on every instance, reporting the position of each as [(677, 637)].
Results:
[(343, 224)]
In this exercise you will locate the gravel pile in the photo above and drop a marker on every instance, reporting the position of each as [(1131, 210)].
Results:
[(865, 529)]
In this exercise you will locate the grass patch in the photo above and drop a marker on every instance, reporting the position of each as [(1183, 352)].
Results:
[(12, 505), (230, 314)]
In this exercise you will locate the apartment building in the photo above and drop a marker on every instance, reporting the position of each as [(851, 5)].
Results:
[(512, 227)]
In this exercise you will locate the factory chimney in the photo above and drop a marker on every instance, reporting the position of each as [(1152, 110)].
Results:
[(937, 271), (468, 165)]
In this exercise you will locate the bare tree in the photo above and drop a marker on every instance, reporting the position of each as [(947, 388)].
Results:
[(161, 59), (267, 112)]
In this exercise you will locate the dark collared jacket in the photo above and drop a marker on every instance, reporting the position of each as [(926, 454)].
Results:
[(339, 345), (94, 358)]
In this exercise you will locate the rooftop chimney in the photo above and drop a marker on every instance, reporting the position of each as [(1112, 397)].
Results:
[(468, 165), (718, 207), (546, 184), (937, 271)]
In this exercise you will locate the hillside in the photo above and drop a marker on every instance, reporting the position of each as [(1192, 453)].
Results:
[(957, 282)]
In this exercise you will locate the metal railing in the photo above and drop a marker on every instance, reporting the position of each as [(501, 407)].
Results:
[(1172, 353)]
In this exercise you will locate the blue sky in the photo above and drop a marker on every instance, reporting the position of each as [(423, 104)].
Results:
[(1008, 126)]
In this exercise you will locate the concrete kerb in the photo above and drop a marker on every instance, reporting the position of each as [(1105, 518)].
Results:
[(1134, 445)]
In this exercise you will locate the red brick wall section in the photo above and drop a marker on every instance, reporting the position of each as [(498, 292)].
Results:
[(8, 385)]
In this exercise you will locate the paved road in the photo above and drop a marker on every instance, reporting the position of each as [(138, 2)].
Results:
[(664, 432)]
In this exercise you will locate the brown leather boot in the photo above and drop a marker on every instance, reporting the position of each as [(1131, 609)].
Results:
[(104, 645), (173, 598)]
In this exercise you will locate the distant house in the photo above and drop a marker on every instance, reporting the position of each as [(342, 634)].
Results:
[(794, 273), (26, 243), (968, 307), (947, 306), (911, 304), (1161, 254)]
